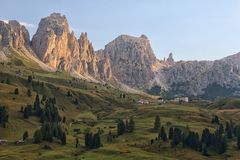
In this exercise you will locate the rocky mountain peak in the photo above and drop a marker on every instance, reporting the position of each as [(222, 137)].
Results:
[(129, 47), (86, 48), (53, 43), (57, 47), (132, 59), (13, 34), (55, 22)]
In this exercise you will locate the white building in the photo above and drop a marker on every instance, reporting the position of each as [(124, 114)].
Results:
[(143, 101), (181, 99)]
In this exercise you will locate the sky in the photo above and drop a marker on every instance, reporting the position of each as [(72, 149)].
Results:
[(190, 29)]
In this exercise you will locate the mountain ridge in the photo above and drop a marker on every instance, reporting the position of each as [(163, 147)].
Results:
[(126, 60)]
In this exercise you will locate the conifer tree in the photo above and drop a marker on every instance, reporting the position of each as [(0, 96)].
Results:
[(37, 106), (228, 130), (3, 116), (16, 91), (157, 123), (25, 135), (7, 81), (221, 129), (77, 142), (215, 120), (88, 139), (69, 94), (206, 138), (64, 139), (109, 137), (37, 137), (222, 147), (76, 101), (29, 79), (27, 111), (238, 136), (127, 125), (162, 134), (177, 135), (205, 151), (170, 134), (121, 128), (131, 126), (29, 93), (96, 141)]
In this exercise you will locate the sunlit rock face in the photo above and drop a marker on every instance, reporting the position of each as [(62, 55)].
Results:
[(58, 47), (132, 59), (13, 34), (53, 43)]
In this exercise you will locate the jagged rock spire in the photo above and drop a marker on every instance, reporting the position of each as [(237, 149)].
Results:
[(170, 58)]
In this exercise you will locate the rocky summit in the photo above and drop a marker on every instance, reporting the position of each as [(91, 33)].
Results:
[(58, 47), (126, 60), (13, 34), (132, 59)]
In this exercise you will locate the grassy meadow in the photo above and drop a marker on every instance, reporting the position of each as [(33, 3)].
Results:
[(99, 107)]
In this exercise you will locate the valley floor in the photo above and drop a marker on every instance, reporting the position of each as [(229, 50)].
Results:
[(132, 146)]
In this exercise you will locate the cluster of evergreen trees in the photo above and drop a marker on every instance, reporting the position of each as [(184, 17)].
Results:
[(3, 116), (216, 140), (50, 112), (92, 141), (127, 126), (51, 121), (49, 131)]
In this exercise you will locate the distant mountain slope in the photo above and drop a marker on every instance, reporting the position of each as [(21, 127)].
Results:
[(205, 78)]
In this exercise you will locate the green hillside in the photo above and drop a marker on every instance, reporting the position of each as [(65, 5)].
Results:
[(91, 107)]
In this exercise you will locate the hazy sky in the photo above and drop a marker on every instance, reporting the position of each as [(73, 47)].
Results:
[(191, 29)]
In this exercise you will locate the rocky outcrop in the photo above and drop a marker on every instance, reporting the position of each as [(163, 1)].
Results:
[(56, 46), (13, 34), (131, 59), (196, 78), (170, 58), (87, 56), (104, 65), (53, 43)]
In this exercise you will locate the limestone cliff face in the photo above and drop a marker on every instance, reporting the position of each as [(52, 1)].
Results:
[(87, 56), (15, 36), (196, 78), (56, 46), (134, 63), (12, 34), (104, 65), (131, 59), (53, 43)]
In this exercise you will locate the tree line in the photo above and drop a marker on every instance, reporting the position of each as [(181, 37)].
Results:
[(217, 140), (93, 140), (50, 119), (3, 116)]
